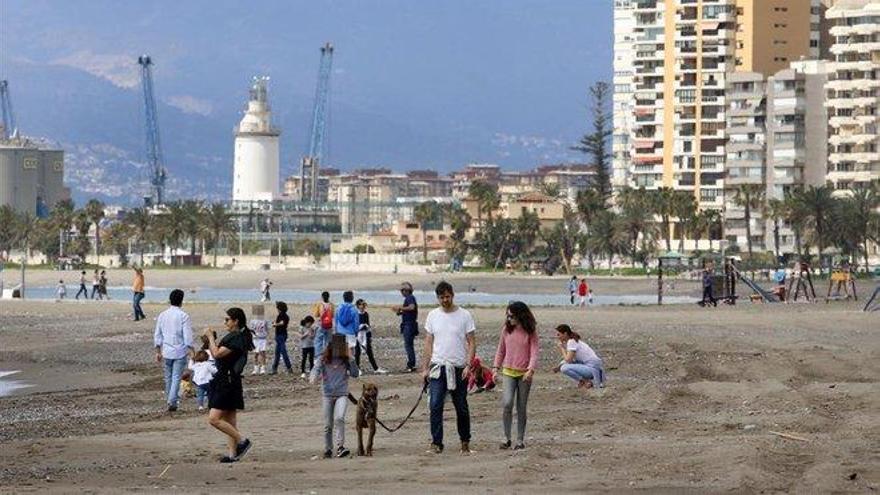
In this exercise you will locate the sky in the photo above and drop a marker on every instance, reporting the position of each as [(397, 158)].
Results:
[(483, 81)]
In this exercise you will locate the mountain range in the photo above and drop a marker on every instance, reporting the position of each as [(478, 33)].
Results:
[(414, 85)]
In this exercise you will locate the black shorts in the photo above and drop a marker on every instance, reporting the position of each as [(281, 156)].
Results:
[(225, 393)]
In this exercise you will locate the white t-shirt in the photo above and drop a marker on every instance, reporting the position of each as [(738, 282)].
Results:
[(582, 352), (450, 335)]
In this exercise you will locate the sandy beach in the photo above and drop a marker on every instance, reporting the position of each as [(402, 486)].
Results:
[(696, 401)]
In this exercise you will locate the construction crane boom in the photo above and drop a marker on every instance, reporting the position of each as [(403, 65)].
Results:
[(155, 159), (9, 129), (311, 162)]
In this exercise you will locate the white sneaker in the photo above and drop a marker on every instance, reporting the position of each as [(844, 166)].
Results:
[(302, 375), (381, 371), (262, 370), (256, 370)]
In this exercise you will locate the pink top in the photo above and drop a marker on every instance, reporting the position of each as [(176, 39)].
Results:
[(517, 350)]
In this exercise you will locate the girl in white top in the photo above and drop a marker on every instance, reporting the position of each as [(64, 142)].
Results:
[(579, 361), (203, 370)]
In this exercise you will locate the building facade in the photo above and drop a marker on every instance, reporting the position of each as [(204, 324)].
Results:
[(255, 163), (853, 94), (31, 177)]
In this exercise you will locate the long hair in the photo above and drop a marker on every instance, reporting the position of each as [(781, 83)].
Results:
[(338, 348), (523, 315), (237, 314), (568, 332)]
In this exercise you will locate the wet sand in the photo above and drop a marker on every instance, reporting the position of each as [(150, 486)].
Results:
[(692, 398)]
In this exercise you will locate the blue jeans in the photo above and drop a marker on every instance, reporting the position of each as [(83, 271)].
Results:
[(321, 338), (202, 394), (409, 332), (136, 304), (173, 371), (437, 389), (281, 351), (580, 371)]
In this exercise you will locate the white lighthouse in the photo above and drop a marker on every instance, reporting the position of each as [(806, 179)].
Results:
[(255, 169)]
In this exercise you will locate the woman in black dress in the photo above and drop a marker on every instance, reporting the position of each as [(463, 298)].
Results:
[(226, 396)]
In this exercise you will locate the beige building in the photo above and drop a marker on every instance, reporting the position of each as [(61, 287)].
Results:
[(31, 177), (773, 33), (853, 94), (549, 210)]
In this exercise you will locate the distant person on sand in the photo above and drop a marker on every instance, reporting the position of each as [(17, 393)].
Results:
[(572, 288), (583, 292), (323, 312), (282, 321), (96, 284), (137, 288), (347, 320), (708, 275), (174, 344), (579, 361), (516, 360), (365, 337), (82, 286), (61, 290), (226, 395), (265, 285), (102, 286), (450, 347), (307, 344), (409, 325)]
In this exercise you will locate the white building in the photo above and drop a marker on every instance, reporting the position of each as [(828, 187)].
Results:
[(624, 25), (853, 92), (255, 169)]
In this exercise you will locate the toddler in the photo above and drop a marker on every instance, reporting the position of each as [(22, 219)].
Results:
[(203, 371), (335, 366), (307, 344), (260, 329), (60, 291)]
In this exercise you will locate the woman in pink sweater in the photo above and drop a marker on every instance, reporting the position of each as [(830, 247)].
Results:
[(516, 358)]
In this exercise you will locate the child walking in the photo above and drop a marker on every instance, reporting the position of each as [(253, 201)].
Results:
[(365, 337), (203, 370), (307, 344), (260, 327), (60, 291), (335, 366)]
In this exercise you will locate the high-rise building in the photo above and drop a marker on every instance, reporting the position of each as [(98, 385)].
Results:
[(31, 176), (777, 135), (621, 147), (853, 94), (683, 53)]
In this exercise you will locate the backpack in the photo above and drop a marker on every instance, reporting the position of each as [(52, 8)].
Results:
[(326, 318)]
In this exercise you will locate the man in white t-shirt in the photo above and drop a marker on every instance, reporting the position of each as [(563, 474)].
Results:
[(449, 349)]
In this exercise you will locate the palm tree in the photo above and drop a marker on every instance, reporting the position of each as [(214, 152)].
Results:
[(82, 222), (589, 203), (61, 217), (8, 231), (193, 211), (486, 196), (459, 220), (424, 213), (860, 212), (636, 218), (663, 204), (140, 221), (95, 211), (817, 203), (685, 206), (171, 226), (219, 226), (775, 211), (750, 197), (795, 216), (711, 221)]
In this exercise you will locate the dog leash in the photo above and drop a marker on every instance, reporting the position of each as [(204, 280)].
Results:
[(411, 411)]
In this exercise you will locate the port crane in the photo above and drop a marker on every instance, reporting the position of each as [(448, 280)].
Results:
[(155, 160), (9, 130), (311, 162)]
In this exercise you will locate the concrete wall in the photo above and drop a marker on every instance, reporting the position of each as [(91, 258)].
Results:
[(30, 173)]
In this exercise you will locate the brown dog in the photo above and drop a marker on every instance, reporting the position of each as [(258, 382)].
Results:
[(367, 408)]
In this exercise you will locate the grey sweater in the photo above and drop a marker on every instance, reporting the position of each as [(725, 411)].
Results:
[(334, 375)]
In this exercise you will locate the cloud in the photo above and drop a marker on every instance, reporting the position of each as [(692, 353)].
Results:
[(121, 70), (191, 104)]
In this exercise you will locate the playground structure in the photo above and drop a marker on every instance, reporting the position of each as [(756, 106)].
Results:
[(843, 278), (802, 281)]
